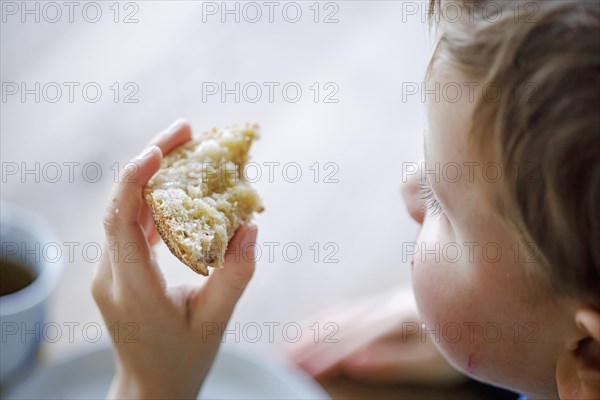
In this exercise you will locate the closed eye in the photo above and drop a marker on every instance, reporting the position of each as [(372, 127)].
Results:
[(432, 205)]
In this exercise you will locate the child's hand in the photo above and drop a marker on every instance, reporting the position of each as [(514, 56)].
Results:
[(379, 340), (165, 339)]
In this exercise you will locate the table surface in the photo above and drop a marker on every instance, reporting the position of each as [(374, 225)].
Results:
[(169, 55)]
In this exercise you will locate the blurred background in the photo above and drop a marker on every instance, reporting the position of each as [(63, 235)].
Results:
[(87, 89)]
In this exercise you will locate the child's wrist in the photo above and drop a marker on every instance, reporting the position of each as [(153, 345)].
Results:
[(125, 386), (128, 387)]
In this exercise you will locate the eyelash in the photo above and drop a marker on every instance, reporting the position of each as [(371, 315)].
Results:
[(432, 204)]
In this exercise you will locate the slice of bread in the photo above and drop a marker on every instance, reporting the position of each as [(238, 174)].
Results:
[(199, 196)]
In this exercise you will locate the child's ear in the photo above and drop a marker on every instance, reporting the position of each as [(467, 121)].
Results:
[(578, 368)]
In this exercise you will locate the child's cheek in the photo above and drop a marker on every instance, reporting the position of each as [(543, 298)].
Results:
[(445, 307)]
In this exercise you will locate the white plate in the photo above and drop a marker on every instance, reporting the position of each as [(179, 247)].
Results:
[(235, 375)]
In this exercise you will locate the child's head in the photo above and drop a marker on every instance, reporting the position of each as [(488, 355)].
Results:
[(509, 252)]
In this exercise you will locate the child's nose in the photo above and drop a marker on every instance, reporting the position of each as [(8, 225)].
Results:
[(411, 193)]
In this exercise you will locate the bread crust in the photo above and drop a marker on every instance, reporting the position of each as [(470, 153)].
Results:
[(165, 231)]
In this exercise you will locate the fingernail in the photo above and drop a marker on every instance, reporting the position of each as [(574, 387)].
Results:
[(176, 125), (147, 152)]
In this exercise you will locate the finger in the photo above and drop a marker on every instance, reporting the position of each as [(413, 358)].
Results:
[(324, 364), (174, 136), (341, 314), (350, 319), (147, 222), (392, 360), (382, 360), (323, 360), (154, 237), (125, 206), (226, 285), (329, 359), (125, 235), (102, 281)]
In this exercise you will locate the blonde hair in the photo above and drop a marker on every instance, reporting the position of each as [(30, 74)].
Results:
[(546, 60)]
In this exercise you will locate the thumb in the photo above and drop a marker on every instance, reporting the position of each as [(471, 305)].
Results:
[(380, 361), (225, 285)]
